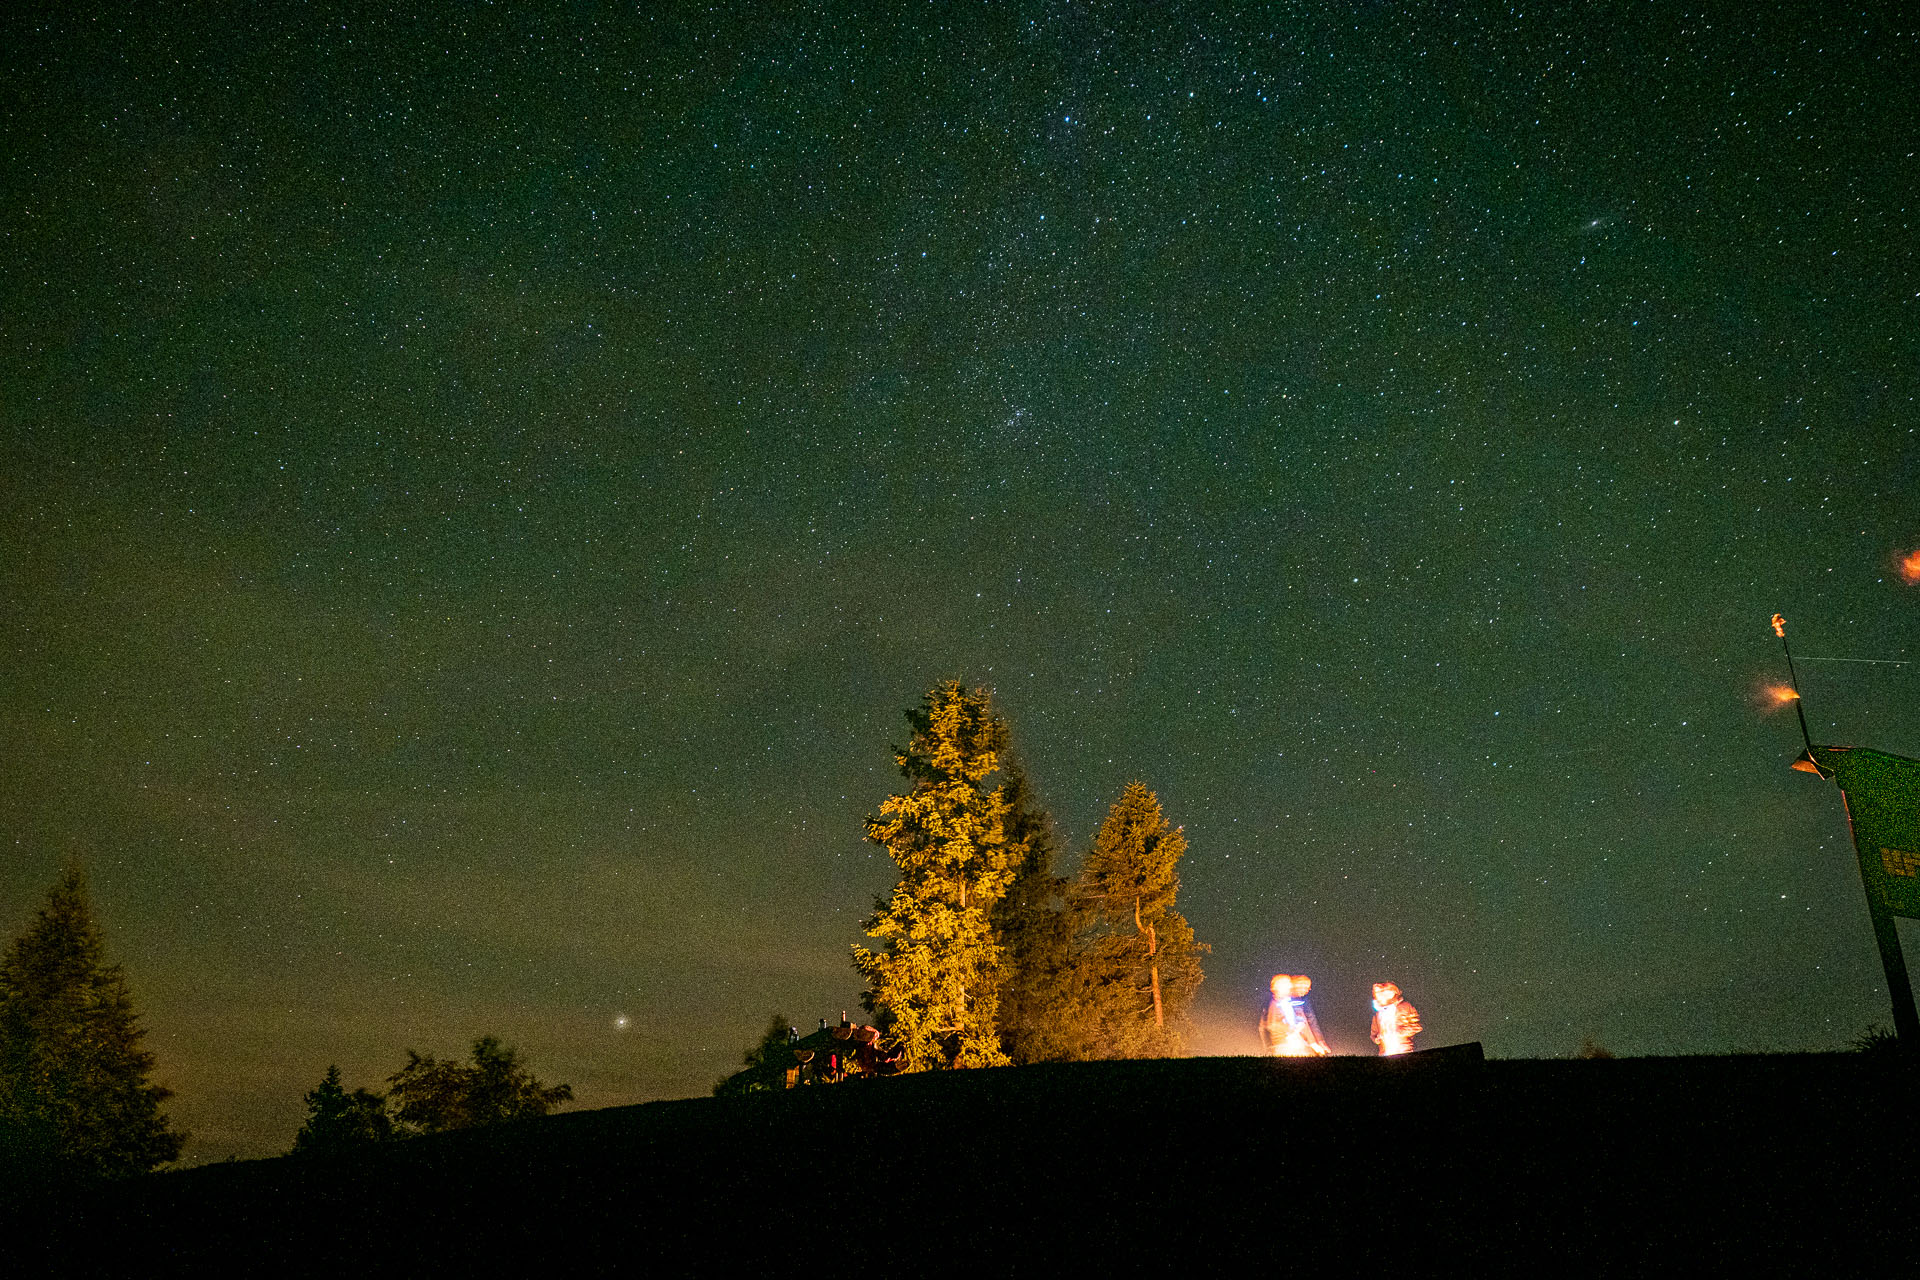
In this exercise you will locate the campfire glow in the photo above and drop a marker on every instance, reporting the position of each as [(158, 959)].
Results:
[(1780, 694), (1910, 568), (1780, 626)]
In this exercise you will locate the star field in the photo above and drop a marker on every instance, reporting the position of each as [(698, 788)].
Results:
[(480, 487)]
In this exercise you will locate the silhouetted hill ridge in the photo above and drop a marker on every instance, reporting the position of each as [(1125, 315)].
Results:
[(1794, 1159)]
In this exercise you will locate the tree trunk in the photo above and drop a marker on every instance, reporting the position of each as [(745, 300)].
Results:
[(963, 991), (1153, 964)]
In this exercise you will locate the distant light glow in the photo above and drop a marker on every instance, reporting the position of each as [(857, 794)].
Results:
[(1781, 694), (1910, 568), (620, 1022)]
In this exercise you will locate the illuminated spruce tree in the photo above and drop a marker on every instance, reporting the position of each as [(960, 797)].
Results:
[(934, 976), (1138, 966), (75, 1093)]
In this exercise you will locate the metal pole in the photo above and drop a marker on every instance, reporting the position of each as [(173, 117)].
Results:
[(1906, 1021), (1793, 679)]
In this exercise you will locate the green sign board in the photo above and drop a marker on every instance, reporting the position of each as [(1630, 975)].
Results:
[(1882, 795), (1883, 807)]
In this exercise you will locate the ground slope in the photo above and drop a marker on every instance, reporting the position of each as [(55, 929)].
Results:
[(1794, 1160)]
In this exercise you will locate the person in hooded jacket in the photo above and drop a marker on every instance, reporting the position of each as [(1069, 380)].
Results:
[(1395, 1021), (1289, 1029)]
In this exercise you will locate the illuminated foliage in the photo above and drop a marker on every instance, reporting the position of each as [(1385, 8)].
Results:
[(1139, 966), (75, 1097), (936, 972), (431, 1096)]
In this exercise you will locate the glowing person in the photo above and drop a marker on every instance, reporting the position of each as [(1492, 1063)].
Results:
[(1289, 1029), (1395, 1022)]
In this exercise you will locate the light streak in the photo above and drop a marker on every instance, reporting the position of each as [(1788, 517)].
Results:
[(1885, 662)]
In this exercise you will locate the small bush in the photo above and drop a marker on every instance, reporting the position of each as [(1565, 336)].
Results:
[(1876, 1039)]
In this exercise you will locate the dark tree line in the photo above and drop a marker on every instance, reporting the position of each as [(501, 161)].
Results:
[(77, 1098), (427, 1095)]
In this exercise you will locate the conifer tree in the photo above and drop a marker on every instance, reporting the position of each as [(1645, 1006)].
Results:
[(765, 1062), (1139, 966), (341, 1121), (936, 971), (1034, 930), (75, 1093)]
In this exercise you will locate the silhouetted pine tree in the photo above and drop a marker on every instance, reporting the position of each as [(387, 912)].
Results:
[(341, 1121), (936, 972), (766, 1063), (75, 1097)]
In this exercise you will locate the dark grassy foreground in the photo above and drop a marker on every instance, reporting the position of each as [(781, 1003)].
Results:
[(1797, 1161)]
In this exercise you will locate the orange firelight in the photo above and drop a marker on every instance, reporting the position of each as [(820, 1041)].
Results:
[(1780, 626), (1910, 568), (1781, 694)]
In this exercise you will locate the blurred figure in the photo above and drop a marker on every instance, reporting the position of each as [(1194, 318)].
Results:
[(1395, 1022), (1289, 1029)]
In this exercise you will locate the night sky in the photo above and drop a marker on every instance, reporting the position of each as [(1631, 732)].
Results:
[(479, 490)]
